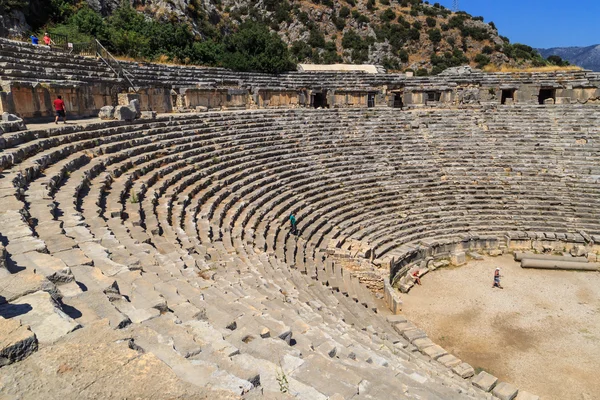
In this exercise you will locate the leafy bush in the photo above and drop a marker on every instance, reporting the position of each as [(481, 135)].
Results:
[(482, 60), (388, 15), (435, 36), (558, 61), (254, 48)]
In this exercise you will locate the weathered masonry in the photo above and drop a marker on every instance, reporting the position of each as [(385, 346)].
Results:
[(31, 76)]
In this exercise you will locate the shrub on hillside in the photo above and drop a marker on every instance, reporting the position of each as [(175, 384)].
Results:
[(254, 48)]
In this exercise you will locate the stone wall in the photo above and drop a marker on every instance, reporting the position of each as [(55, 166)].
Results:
[(279, 98), (151, 99), (31, 100), (87, 84), (213, 98)]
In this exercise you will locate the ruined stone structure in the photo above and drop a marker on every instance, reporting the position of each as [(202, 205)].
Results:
[(153, 258), (32, 76)]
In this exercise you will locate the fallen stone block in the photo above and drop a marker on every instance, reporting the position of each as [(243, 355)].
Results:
[(107, 113), (16, 341), (484, 381), (125, 113), (458, 259), (7, 117), (495, 252), (505, 391)]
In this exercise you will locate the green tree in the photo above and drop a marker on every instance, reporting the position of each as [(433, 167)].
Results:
[(254, 48)]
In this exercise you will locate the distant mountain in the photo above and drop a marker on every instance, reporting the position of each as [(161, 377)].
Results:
[(585, 57)]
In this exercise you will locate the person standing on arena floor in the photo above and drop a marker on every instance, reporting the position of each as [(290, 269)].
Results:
[(61, 111), (293, 223), (497, 279)]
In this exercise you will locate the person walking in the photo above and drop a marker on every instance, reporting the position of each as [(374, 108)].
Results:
[(497, 279), (61, 111), (293, 224)]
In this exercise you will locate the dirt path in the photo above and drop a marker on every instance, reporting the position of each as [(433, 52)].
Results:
[(541, 333)]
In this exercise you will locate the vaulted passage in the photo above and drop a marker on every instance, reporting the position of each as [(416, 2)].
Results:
[(546, 94), (320, 100)]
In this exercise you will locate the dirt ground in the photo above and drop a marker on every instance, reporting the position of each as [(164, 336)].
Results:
[(541, 332)]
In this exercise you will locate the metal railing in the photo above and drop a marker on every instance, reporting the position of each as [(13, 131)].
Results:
[(88, 49), (59, 42), (114, 64), (93, 49)]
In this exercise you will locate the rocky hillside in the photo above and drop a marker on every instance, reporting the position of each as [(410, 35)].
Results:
[(399, 34), (585, 57)]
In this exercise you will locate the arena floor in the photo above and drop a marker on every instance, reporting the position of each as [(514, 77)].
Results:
[(541, 332)]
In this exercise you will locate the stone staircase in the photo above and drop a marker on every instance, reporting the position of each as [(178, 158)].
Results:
[(163, 245)]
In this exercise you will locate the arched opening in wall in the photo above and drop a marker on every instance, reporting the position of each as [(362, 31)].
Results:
[(545, 94), (320, 100), (370, 100), (398, 102), (508, 94)]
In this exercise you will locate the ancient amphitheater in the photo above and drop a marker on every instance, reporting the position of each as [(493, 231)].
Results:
[(152, 259)]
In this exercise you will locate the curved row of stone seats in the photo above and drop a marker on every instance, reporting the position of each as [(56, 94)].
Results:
[(133, 298), (181, 76), (25, 62), (122, 192)]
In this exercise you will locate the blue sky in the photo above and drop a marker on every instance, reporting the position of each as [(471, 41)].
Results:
[(539, 23)]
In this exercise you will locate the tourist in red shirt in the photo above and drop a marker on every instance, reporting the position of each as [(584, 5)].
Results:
[(47, 39), (61, 111)]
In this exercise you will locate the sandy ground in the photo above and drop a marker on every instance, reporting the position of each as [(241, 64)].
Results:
[(541, 332)]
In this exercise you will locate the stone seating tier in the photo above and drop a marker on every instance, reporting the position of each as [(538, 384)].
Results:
[(25, 62), (174, 233)]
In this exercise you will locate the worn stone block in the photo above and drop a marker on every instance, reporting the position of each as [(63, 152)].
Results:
[(526, 396), (458, 259), (464, 370), (485, 381), (505, 391), (413, 334), (434, 351), (107, 113), (16, 341), (449, 361)]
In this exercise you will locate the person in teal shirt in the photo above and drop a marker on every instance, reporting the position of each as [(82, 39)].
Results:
[(293, 223)]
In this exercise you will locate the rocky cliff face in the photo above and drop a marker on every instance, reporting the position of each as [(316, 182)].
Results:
[(585, 57), (399, 34), (13, 24)]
